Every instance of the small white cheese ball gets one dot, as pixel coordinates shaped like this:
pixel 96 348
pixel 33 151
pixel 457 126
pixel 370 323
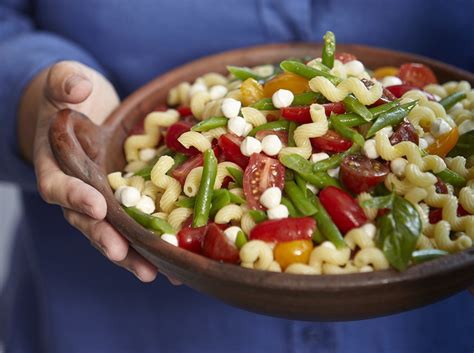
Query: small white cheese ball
pixel 316 157
pixel 118 193
pixel 170 238
pixel 271 145
pixel 465 127
pixel 282 98
pixel 250 146
pixel 231 233
pixel 278 212
pixel 130 196
pixel 387 131
pixel 370 150
pixel 354 67
pixel 312 188
pixel 271 197
pixel 334 172
pixel 230 107
pixel 388 81
pixel 218 91
pixel 429 138
pixel 457 106
pixel 248 128
pixel 146 204
pixel 328 244
pixel 237 125
pixel 439 127
pixel 147 154
pixel 197 87
pixel 370 230
pixel 422 143
pixel 398 166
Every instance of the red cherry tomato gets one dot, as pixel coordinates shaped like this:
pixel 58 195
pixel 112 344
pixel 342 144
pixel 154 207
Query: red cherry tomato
pixel 184 111
pixel 436 214
pixel 345 57
pixel 262 173
pixel 331 142
pixel 191 238
pixel 417 75
pixel 343 209
pixel 405 131
pixel 399 90
pixel 336 108
pixel 441 187
pixel 230 146
pixel 387 96
pixel 359 173
pixel 282 135
pixel 181 172
pixel 172 135
pixel 286 229
pixel 302 115
pixel 216 245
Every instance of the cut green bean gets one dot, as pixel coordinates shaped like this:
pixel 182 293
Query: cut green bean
pixel 326 226
pixel 420 256
pixel 317 236
pixel 299 199
pixel 293 212
pixel 352 104
pixel 240 240
pixel 237 175
pixel 243 73
pixel 264 104
pixel 258 216
pixel 301 184
pixel 210 123
pixel 349 120
pixel 187 202
pixel 150 222
pixel 307 72
pixel 329 49
pixel 273 125
pixel 334 161
pixel 318 65
pixel 391 118
pixel 236 199
pixel 291 134
pixel 347 132
pixel 206 187
pixel 451 177
pixel 220 199
pixel 383 108
pixel 307 98
pixel 449 101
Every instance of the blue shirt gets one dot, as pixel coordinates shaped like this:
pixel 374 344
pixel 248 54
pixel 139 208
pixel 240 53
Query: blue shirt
pixel 63 296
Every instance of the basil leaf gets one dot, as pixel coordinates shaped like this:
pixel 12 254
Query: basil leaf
pixel 398 233
pixel 464 147
pixel 379 202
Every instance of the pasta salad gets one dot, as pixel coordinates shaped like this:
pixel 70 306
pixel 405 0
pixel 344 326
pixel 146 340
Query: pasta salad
pixel 312 166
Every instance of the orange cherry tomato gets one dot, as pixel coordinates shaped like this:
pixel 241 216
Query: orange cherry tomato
pixel 251 91
pixel 286 80
pixel 384 71
pixel 290 252
pixel 444 143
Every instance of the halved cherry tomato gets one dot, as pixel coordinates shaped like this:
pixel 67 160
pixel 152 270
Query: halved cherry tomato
pixel 336 108
pixel 405 131
pixel 191 238
pixel 416 74
pixel 384 71
pixel 301 114
pixel 251 91
pixel 399 90
pixel 181 172
pixel 282 135
pixel 445 143
pixel 262 173
pixel 360 173
pixel 184 111
pixel 172 135
pixel 216 245
pixel 331 142
pixel 345 57
pixel 343 209
pixel 230 146
pixel 286 80
pixel 286 229
pixel 436 214
pixel 290 252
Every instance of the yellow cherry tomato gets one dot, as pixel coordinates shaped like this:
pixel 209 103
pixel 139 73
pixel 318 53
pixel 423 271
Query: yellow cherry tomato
pixel 251 91
pixel 290 252
pixel 286 80
pixel 383 71
pixel 445 143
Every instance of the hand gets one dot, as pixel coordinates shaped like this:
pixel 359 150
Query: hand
pixel 76 86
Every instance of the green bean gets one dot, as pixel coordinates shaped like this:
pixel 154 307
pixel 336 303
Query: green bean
pixel 299 199
pixel 352 104
pixel 187 202
pixel 273 125
pixel 334 161
pixel 319 66
pixel 258 216
pixel 449 101
pixel 347 132
pixel 349 120
pixel 301 184
pixel 150 222
pixel 264 104
pixel 451 177
pixel 420 256
pixel 240 240
pixel 237 175
pixel 306 71
pixel 236 199
pixel 291 134
pixel 326 226
pixel 291 208
pixel 390 118
pixel 220 199
pixel 306 98
pixel 210 123
pixel 289 174
pixel 243 73
pixel 317 236
pixel 204 194
pixel 329 49
pixel 383 108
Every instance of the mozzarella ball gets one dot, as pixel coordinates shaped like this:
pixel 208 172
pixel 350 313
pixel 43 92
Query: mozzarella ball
pixel 282 98
pixel 146 204
pixel 271 197
pixel 231 107
pixel 147 154
pixel 398 166
pixel 278 212
pixel 439 127
pixel 218 91
pixel 354 67
pixel 231 233
pixel 370 150
pixel 250 146
pixel 388 81
pixel 271 145
pixel 422 143
pixel 118 193
pixel 428 138
pixel 334 172
pixel 237 125
pixel 170 238
pixel 130 196
pixel 317 157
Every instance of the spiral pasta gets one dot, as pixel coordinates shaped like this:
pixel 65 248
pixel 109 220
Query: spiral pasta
pixel 228 213
pixel 198 103
pixel 193 180
pixel 194 139
pixel 171 186
pixel 177 217
pixel 116 180
pixel 253 116
pixel 256 254
pixel 371 256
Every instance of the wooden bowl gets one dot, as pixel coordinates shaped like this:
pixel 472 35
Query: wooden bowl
pixel 89 152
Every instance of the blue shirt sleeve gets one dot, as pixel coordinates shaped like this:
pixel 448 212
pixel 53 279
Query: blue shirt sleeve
pixel 24 52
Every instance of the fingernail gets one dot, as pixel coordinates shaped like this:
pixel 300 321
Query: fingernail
pixel 71 82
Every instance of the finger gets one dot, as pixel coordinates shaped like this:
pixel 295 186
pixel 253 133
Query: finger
pixel 101 234
pixel 67 82
pixel 139 266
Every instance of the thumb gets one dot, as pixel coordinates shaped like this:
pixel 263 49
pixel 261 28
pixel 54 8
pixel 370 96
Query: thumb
pixel 67 83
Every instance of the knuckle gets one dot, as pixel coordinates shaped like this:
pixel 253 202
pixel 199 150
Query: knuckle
pixel 44 189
